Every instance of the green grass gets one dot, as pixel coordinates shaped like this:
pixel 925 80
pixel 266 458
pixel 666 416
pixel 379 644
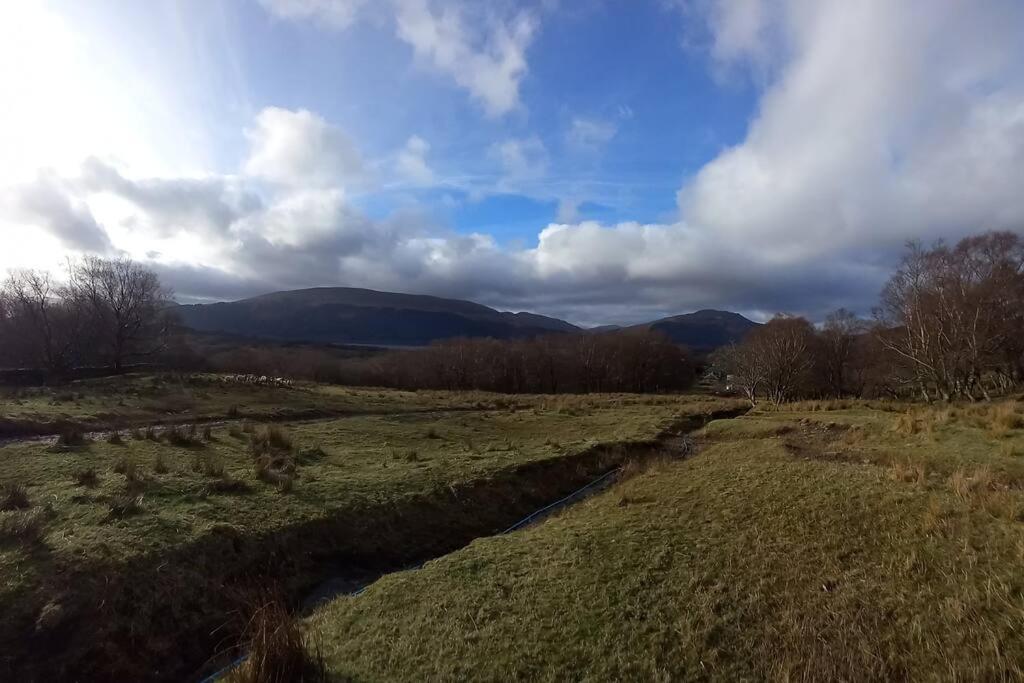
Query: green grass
pixel 362 460
pixel 789 549
pixel 157 507
pixel 146 399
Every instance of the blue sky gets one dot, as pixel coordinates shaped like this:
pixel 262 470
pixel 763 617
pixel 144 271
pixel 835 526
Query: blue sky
pixel 606 161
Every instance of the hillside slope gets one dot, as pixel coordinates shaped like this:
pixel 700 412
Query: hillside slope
pixel 363 316
pixel 704 330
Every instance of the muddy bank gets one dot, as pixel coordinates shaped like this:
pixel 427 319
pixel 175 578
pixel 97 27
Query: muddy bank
pixel 177 615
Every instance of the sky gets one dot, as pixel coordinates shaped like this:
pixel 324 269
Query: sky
pixel 602 161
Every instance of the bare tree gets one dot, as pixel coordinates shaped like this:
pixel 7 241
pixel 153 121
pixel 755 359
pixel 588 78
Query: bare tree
pixel 125 303
pixel 42 328
pixel 775 360
pixel 954 316
pixel 838 346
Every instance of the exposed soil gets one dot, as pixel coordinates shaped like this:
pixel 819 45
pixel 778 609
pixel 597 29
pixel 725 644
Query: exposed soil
pixel 178 615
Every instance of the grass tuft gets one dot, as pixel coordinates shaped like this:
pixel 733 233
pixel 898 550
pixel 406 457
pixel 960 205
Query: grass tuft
pixel 23 527
pixel 87 477
pixel 15 497
pixel 125 504
pixel 278 649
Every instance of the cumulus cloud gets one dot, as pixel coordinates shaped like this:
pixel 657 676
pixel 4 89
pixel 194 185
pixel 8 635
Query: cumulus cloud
pixel 486 57
pixel 411 162
pixel 300 148
pixel 880 128
pixel 205 205
pixel 873 126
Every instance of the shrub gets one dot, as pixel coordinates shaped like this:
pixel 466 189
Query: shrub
pixel 15 497
pixel 151 433
pixel 207 433
pixel 138 434
pixel 115 438
pixel 87 477
pixel 160 465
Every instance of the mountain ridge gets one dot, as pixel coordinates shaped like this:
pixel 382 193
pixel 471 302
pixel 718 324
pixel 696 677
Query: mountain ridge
pixel 353 315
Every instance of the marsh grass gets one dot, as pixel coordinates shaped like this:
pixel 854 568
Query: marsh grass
pixel 14 496
pixel 125 504
pixel 87 477
pixel 23 527
pixel 278 648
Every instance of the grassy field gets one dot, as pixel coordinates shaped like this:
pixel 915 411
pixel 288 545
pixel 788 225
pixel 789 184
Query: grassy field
pixel 122 402
pixel 842 541
pixel 153 522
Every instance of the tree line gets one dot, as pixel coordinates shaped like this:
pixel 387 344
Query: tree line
pixel 109 312
pixel 639 361
pixel 949 325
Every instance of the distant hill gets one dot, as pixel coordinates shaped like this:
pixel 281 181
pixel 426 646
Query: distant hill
pixel 347 315
pixel 704 330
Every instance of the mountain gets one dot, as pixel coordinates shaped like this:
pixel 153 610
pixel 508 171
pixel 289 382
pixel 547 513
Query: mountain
pixel 704 330
pixel 347 315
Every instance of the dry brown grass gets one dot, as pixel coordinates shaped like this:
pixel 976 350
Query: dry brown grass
pixel 909 472
pixel 970 485
pixel 278 648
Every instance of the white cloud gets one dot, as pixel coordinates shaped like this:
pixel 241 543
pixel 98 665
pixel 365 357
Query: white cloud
pixel 590 134
pixel 568 210
pixel 411 162
pixel 301 148
pixel 335 14
pixel 486 57
pixel 521 158
pixel 475 45
pixel 887 121
pixel 50 204
pixel 874 125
